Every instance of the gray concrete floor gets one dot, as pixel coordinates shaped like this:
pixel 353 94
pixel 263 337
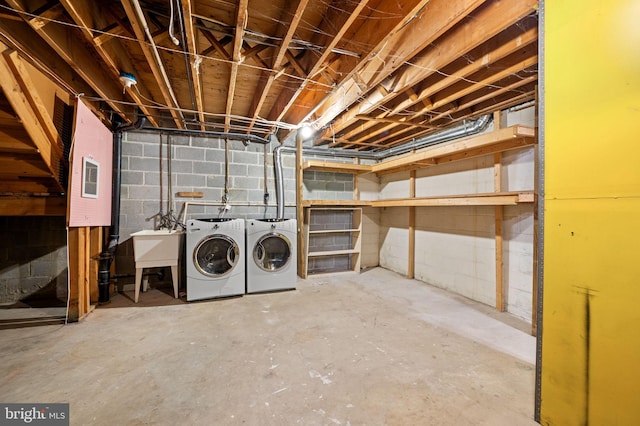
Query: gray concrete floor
pixel 345 349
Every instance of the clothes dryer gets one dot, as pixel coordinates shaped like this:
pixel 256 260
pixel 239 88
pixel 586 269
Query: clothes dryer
pixel 215 253
pixel 271 254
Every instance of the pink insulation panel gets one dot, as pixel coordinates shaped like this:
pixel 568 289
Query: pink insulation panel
pixel 90 177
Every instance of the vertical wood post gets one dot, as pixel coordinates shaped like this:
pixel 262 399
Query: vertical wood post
pixel 412 228
pixel 499 220
pixel 79 271
pixel 302 252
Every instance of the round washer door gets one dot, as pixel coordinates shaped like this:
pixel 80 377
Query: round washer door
pixel 216 255
pixel 272 252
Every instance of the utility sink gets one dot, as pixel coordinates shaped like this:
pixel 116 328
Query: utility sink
pixel 154 249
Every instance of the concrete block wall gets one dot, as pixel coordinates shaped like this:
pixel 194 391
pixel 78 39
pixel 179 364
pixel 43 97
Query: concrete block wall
pixel 455 246
pixel 33 260
pixel 197 164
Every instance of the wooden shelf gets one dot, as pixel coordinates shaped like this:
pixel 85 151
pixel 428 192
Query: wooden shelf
pixel 333 231
pixel 490 199
pixel 345 203
pixel 332 253
pixel 484 144
pixel 346 222
pixel 330 166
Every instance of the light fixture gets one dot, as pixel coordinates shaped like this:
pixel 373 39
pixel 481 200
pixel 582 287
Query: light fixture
pixel 127 80
pixel 305 132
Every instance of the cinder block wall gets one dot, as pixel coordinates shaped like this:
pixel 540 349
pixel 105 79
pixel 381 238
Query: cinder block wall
pixel 455 246
pixel 33 260
pixel 198 165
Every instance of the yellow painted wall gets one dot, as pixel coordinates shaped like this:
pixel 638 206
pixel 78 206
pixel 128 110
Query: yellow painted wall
pixel 591 308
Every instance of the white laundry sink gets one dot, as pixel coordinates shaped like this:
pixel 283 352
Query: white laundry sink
pixel 156 248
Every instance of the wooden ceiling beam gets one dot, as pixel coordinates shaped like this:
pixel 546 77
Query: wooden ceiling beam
pixel 328 37
pixel 145 40
pixel 33 206
pixel 454 98
pixel 195 61
pixel 28 108
pixel 503 49
pixel 241 23
pixel 268 77
pixel 217 45
pixel 419 28
pixel 84 13
pixel 486 23
pixel 63 40
pixel 402 122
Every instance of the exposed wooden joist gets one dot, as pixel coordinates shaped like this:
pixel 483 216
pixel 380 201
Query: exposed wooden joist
pixel 63 40
pixel 33 206
pixel 488 21
pixel 428 21
pixel 195 60
pixel 268 77
pixel 145 40
pixel 17 35
pixel 335 18
pixel 503 48
pixel 241 23
pixel 30 91
pixel 13 86
pixel 397 121
pixel 84 12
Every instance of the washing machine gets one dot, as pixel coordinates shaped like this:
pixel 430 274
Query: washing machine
pixel 271 254
pixel 215 253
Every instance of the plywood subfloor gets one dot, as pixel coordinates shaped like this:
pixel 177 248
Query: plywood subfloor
pixel 371 348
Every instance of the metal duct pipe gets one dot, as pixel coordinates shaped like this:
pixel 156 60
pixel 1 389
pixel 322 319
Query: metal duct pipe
pixel 109 251
pixel 279 180
pixel 222 135
pixel 446 135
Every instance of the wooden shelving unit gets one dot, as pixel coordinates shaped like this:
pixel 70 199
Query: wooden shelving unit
pixel 350 231
pixel 500 140
pixel 491 143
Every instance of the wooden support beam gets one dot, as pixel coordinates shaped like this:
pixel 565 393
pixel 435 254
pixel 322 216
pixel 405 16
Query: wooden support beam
pixel 33 206
pixel 96 239
pixel 147 44
pixel 412 227
pixel 79 272
pixel 500 288
pixel 267 78
pixel 335 26
pixel 14 86
pixel 302 248
pixel 499 220
pixel 192 46
pixel 85 14
pixel 62 39
pixel 488 22
pixel 395 121
pixel 241 23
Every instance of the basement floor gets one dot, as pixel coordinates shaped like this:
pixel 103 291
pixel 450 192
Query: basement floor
pixel 345 349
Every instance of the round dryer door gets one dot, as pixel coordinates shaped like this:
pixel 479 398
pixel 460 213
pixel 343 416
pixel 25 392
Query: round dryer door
pixel 216 255
pixel 272 252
